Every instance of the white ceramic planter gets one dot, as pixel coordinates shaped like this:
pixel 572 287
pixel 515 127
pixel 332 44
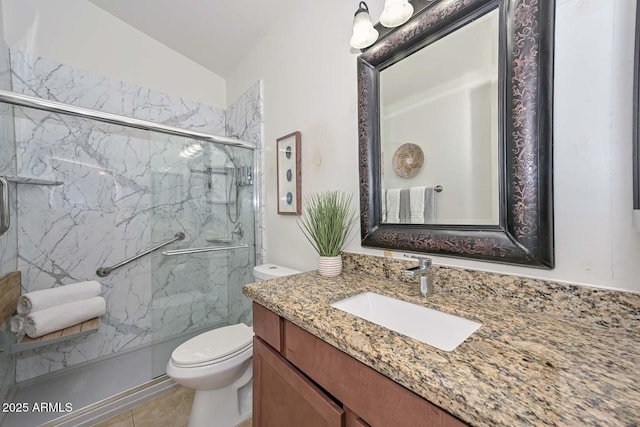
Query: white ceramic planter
pixel 330 266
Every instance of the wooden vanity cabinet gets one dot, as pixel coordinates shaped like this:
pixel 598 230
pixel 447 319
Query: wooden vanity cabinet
pixel 300 380
pixel 283 396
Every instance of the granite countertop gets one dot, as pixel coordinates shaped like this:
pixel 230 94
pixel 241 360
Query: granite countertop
pixel 520 368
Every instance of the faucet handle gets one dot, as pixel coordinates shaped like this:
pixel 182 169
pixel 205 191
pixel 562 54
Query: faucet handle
pixel 424 261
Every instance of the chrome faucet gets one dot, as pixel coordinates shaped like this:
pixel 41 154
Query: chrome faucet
pixel 422 270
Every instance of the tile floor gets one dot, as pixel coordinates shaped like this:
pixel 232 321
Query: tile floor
pixel 169 410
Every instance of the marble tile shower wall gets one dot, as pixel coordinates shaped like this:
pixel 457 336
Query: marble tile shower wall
pixel 123 191
pixel 8 242
pixel 245 120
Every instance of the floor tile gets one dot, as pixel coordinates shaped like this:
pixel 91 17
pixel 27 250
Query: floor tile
pixel 169 410
pixel 122 420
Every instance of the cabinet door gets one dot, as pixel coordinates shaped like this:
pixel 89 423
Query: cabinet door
pixel 283 397
pixel 352 420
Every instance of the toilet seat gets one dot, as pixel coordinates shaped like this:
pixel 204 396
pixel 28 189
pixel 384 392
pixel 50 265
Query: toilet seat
pixel 214 346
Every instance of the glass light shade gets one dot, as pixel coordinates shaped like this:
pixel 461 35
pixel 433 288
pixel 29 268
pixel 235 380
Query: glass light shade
pixel 396 12
pixel 364 35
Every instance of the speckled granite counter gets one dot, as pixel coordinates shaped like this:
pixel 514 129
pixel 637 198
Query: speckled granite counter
pixel 524 366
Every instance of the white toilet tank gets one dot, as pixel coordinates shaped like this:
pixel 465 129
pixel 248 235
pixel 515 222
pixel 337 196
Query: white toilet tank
pixel 271 271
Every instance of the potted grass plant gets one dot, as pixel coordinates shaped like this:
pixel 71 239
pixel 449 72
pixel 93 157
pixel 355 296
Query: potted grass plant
pixel 327 220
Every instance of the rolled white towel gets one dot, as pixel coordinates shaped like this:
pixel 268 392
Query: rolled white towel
pixel 39 300
pixel 53 319
pixel 17 324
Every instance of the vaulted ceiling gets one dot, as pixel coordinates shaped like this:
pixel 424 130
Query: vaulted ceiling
pixel 217 34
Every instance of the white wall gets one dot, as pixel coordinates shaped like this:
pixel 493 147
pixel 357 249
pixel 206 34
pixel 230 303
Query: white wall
pixel 310 85
pixel 78 33
pixel 455 133
pixel 308 71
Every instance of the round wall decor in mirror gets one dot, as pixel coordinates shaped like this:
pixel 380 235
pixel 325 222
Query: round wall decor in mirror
pixel 408 160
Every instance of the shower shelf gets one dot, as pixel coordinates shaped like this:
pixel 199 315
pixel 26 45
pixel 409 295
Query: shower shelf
pixel 32 181
pixel 76 331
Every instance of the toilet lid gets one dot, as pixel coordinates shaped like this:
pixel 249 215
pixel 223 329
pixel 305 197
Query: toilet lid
pixel 213 345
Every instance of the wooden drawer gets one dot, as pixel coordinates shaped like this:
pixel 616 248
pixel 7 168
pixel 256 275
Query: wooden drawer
pixel 268 326
pixel 283 397
pixel 376 398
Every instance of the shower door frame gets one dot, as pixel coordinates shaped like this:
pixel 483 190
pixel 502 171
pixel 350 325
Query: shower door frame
pixel 13 98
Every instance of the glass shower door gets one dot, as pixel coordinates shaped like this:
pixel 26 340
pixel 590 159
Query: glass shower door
pixel 115 192
pixel 205 191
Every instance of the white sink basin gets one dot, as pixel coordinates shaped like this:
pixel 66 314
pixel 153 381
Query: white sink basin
pixel 440 330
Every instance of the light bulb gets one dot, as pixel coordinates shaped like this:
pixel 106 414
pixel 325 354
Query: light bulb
pixel 364 35
pixel 396 12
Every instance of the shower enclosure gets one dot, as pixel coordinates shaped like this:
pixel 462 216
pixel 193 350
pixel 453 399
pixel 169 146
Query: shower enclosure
pixel 88 194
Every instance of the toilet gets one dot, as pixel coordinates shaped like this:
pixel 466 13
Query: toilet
pixel 218 365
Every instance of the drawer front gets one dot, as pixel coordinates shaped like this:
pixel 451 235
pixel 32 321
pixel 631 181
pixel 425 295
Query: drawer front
pixel 379 400
pixel 283 397
pixel 268 326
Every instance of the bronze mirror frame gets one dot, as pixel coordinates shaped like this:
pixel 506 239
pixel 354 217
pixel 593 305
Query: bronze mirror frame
pixel 636 126
pixel 524 235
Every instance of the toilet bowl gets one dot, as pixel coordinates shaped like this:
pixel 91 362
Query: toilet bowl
pixel 218 365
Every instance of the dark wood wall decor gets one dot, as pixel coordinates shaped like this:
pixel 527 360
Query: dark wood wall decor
pixel 524 234
pixel 289 174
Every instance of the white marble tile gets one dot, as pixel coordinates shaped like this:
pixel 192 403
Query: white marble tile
pixel 125 190
pixel 245 120
pixel 8 241
pixel 48 79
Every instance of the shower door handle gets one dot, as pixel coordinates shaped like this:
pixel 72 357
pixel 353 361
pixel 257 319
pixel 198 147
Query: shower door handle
pixel 5 213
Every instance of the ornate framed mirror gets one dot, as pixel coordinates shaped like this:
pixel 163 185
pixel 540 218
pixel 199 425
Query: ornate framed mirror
pixel 636 127
pixel 470 83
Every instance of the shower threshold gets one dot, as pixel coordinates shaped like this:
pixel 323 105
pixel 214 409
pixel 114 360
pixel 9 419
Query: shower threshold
pixel 114 405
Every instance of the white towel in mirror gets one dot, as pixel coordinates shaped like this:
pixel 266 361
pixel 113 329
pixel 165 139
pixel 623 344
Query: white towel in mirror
pixel 413 205
pixel 393 206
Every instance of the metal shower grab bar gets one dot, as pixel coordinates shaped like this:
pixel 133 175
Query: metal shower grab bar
pixel 5 212
pixel 206 249
pixel 105 271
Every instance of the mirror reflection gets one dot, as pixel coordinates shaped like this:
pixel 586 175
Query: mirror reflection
pixel 439 128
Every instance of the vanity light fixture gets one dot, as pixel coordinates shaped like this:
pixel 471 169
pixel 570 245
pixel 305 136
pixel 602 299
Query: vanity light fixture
pixel 364 35
pixel 395 13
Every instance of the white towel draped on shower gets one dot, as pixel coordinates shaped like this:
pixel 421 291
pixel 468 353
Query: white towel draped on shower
pixel 414 205
pixel 43 322
pixel 40 300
